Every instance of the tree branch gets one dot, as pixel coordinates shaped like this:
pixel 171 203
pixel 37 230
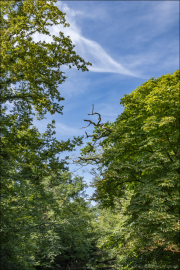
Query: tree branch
pixel 10 97
pixel 97 125
pixel 169 157
pixel 93 159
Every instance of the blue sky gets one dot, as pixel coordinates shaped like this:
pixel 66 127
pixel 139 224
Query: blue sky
pixel 127 42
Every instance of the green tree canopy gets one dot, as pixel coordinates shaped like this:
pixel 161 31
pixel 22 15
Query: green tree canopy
pixel 42 209
pixel 141 155
pixel 45 221
pixel 31 71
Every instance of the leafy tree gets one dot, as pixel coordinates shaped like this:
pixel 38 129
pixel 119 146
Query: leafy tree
pixel 140 155
pixel 35 66
pixel 27 200
pixel 45 221
pixel 30 76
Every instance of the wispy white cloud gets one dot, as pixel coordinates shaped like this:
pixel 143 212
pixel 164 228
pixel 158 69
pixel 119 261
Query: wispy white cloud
pixel 144 48
pixel 160 14
pixel 152 20
pixel 101 61
pixel 89 49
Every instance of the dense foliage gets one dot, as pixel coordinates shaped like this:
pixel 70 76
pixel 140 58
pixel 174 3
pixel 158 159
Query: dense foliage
pixel 45 220
pixel 140 162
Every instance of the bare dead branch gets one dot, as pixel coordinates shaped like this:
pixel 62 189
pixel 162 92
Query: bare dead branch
pixel 91 122
pixel 87 126
pixel 99 118
pixel 105 132
pixel 98 124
